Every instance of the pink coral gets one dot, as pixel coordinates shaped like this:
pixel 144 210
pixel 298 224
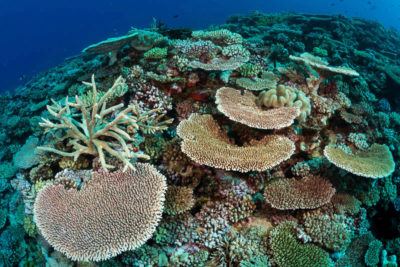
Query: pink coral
pixel 113 213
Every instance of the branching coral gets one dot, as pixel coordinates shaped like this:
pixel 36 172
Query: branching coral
pixel 111 214
pixel 287 251
pixel 102 129
pixel 221 37
pixel 205 143
pixel 332 232
pixel 377 162
pixel 243 109
pixel 178 199
pixel 308 193
pixel 286 96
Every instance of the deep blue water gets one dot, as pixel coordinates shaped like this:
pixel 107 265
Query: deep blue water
pixel 37 35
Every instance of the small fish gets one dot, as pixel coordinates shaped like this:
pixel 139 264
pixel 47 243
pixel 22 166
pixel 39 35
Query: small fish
pixel 333 4
pixel 369 3
pixel 176 16
pixel 22 77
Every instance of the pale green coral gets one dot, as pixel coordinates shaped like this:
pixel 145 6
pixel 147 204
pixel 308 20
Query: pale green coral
pixel 223 36
pixel 288 251
pixel 156 53
pixel 332 232
pixel 249 70
pixel 374 251
pixel 235 50
pixel 29 226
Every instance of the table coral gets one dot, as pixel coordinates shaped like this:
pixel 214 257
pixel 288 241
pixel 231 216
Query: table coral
pixel 243 109
pixel 205 143
pixel 111 214
pixel 377 162
pixel 307 193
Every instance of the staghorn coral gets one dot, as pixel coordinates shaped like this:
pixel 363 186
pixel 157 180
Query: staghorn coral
pixel 111 214
pixel 286 96
pixel 87 136
pixel 178 199
pixel 377 162
pixel 243 109
pixel 205 143
pixel 307 193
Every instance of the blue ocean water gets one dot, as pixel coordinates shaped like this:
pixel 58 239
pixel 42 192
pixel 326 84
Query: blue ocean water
pixel 37 35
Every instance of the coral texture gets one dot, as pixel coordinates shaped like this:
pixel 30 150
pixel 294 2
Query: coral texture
pixel 113 213
pixel 205 143
pixel 243 109
pixel 307 193
pixel 286 96
pixel 178 199
pixel 377 162
pixel 287 251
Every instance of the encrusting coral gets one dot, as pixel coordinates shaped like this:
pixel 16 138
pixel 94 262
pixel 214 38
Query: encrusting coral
pixel 204 142
pixel 286 96
pixel 88 136
pixel 112 213
pixel 243 109
pixel 377 162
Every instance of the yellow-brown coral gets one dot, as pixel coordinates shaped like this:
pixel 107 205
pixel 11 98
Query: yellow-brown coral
pixel 285 96
pixel 178 199
pixel 307 193
pixel 377 162
pixel 205 143
pixel 243 109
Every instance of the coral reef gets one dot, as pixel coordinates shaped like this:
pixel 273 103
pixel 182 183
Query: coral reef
pixel 258 145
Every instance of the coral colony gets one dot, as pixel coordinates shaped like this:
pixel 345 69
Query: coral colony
pixel 270 140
